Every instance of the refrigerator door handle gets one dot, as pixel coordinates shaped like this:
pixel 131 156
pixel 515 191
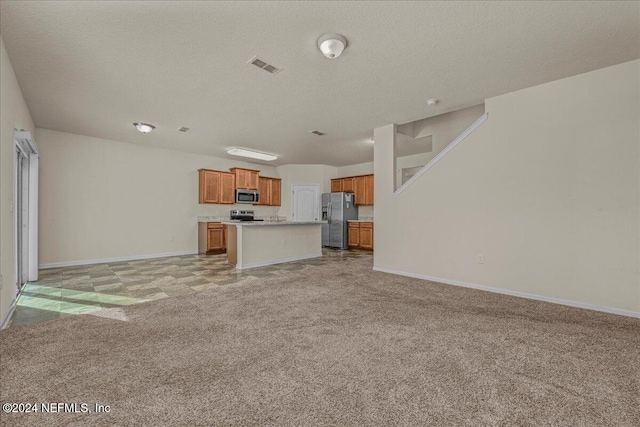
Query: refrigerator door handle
pixel 329 213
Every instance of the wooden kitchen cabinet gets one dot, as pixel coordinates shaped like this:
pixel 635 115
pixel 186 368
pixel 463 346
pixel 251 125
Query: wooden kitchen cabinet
pixel 360 235
pixel 270 191
pixel 246 179
pixel 212 238
pixel 216 187
pixel 348 185
pixel 227 188
pixel 219 187
pixel 368 190
pixel 276 192
pixel 366 235
pixel 361 186
pixel 264 187
pixel 354 235
pixel 209 186
pixel 359 190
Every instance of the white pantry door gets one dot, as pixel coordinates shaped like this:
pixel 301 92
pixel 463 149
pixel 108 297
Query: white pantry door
pixel 305 203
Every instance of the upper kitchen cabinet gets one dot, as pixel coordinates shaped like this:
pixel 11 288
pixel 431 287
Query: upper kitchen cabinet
pixel 276 192
pixel 264 187
pixel 209 186
pixel 361 186
pixel 359 190
pixel 227 188
pixel 270 191
pixel 216 187
pixel 368 190
pixel 348 185
pixel 246 179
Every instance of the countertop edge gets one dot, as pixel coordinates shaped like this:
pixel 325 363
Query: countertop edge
pixel 272 223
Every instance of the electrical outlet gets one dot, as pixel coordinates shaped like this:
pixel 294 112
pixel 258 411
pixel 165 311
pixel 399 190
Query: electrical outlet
pixel 480 258
pixel 171 239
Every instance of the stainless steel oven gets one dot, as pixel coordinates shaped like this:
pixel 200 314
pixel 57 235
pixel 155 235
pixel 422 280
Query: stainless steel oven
pixel 247 196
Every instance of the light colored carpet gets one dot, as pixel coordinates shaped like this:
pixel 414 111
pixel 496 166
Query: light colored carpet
pixel 336 344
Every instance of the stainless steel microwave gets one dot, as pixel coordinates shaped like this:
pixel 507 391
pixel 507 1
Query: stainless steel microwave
pixel 247 196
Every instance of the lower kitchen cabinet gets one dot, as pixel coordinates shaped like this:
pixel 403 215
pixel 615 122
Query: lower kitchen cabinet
pixel 354 235
pixel 212 238
pixel 361 235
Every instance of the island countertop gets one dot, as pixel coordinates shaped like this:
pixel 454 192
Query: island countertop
pixel 271 223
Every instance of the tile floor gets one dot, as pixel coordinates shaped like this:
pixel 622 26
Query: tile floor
pixel 69 291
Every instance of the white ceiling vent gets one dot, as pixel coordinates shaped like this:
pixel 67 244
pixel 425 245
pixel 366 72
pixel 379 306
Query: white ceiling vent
pixel 183 129
pixel 271 69
pixel 317 132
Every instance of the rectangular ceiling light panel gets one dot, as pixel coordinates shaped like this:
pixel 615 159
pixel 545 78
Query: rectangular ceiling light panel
pixel 243 152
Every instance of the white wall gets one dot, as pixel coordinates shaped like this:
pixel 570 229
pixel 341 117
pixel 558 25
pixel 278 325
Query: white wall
pixel 547 189
pixel 412 161
pixel 303 174
pixel 355 170
pixel 102 199
pixel 14 114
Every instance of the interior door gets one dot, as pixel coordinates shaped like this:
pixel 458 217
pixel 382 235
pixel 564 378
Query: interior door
pixel 306 202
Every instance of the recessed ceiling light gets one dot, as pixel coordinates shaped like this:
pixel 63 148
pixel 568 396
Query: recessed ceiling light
pixel 243 152
pixel 183 129
pixel 371 141
pixel 144 127
pixel 317 132
pixel 432 101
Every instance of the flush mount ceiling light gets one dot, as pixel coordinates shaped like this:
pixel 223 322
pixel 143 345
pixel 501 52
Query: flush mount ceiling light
pixel 431 102
pixel 243 152
pixel 332 45
pixel 144 127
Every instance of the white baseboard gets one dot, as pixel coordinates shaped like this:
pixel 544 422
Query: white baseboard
pixel 7 316
pixel 277 261
pixel 120 259
pixel 604 309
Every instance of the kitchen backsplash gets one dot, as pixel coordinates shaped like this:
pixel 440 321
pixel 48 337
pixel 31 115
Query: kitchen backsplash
pixel 223 210
pixel 365 213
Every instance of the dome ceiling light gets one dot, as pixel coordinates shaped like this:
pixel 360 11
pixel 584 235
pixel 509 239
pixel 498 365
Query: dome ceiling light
pixel 332 45
pixel 144 127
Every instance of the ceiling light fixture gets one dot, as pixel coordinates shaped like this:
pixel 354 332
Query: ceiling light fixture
pixel 371 141
pixel 144 127
pixel 332 45
pixel 431 102
pixel 243 152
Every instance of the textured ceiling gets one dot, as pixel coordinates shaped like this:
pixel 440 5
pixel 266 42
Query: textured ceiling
pixel 93 68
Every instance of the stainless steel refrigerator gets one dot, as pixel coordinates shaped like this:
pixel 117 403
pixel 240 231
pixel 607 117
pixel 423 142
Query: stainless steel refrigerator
pixel 337 208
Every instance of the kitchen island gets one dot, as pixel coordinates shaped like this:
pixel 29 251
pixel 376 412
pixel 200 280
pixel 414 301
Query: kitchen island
pixel 256 244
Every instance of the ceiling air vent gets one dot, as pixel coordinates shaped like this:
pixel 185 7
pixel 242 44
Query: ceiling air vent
pixel 183 129
pixel 317 132
pixel 271 69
